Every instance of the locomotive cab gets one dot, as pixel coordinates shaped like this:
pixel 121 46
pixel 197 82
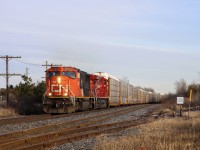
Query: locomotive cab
pixel 60 82
pixel 62 85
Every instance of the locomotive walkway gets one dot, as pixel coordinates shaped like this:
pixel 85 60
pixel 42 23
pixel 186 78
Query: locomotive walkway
pixel 59 133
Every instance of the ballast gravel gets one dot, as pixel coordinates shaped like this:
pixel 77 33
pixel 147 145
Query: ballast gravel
pixel 86 144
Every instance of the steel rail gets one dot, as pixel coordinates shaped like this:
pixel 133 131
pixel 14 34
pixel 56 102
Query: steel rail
pixel 78 134
pixel 46 116
pixel 17 139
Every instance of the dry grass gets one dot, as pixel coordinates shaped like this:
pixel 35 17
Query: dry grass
pixel 167 134
pixel 6 112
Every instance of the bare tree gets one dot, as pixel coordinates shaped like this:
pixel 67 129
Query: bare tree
pixel 181 87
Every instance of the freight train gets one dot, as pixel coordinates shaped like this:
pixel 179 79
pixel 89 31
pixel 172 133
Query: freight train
pixel 69 89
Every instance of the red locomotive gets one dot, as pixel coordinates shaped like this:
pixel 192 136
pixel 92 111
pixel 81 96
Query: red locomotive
pixel 69 89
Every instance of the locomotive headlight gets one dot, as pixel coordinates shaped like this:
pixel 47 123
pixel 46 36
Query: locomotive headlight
pixel 59 80
pixel 65 94
pixel 50 94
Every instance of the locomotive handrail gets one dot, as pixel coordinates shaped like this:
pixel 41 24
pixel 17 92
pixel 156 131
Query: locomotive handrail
pixel 70 89
pixel 72 98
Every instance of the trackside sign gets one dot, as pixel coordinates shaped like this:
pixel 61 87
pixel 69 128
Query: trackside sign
pixel 180 100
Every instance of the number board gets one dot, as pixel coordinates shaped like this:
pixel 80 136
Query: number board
pixel 66 68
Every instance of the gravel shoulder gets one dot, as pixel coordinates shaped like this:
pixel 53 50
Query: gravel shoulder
pixel 88 144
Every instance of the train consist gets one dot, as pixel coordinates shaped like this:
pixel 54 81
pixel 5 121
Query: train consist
pixel 69 89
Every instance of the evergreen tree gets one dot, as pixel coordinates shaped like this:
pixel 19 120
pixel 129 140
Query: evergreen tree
pixel 26 88
pixel 40 88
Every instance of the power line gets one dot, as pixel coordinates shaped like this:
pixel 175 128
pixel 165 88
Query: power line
pixel 27 63
pixel 7 75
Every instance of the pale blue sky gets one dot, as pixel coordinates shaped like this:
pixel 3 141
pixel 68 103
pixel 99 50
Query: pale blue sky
pixel 151 42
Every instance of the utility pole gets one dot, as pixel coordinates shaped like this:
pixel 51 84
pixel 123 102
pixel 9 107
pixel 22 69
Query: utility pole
pixel 27 71
pixel 50 65
pixel 7 75
pixel 46 65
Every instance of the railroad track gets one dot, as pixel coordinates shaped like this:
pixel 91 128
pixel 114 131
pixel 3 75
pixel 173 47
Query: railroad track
pixel 60 132
pixel 37 118
pixel 82 133
pixel 44 117
pixel 24 119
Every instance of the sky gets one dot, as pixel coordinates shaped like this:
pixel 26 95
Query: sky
pixel 152 43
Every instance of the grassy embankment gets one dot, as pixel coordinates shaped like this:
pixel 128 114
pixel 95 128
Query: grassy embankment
pixel 6 112
pixel 168 134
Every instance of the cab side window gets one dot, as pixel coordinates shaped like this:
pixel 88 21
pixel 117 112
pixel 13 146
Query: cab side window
pixel 70 74
pixel 53 73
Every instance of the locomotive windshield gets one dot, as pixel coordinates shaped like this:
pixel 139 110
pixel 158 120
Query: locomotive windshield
pixel 71 74
pixel 53 73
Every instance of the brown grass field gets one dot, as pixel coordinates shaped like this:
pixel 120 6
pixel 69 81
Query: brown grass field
pixel 6 112
pixel 163 134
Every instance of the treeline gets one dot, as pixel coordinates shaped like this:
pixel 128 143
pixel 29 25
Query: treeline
pixel 27 88
pixel 183 89
pixel 26 97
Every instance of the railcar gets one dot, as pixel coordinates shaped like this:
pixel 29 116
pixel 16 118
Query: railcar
pixel 130 94
pixel 69 89
pixel 123 92
pixel 114 95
